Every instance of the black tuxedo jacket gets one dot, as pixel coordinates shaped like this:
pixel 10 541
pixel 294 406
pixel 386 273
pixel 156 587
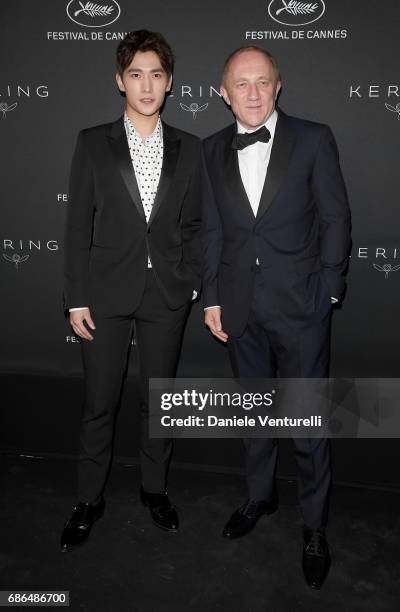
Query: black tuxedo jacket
pixel 107 238
pixel 301 234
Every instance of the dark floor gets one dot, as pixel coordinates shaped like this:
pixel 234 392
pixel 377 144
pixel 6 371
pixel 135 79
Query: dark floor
pixel 130 565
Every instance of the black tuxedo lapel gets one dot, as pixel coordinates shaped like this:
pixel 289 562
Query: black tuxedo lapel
pixel 119 144
pixel 282 147
pixel 233 180
pixel 171 145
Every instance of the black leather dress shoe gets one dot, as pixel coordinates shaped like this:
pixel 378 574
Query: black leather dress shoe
pixel 316 557
pixel 245 518
pixel 77 529
pixel 164 515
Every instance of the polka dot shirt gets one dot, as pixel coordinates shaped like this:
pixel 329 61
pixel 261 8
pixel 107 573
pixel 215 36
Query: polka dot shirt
pixel 147 158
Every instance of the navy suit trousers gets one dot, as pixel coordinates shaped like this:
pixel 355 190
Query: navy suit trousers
pixel 296 348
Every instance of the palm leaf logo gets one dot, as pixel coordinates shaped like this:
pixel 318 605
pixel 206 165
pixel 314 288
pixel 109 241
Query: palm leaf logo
pixel 94 10
pixel 298 8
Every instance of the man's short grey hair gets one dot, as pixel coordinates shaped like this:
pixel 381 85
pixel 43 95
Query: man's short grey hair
pixel 244 49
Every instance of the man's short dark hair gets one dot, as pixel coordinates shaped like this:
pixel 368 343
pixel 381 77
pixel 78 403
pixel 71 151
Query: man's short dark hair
pixel 240 50
pixel 144 40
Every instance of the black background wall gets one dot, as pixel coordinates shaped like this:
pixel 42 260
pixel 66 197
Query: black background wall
pixel 57 77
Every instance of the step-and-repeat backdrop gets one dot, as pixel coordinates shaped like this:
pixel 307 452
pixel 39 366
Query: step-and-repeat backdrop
pixel 339 64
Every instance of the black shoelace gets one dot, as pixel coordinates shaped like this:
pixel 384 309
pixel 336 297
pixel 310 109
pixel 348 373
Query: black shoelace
pixel 315 545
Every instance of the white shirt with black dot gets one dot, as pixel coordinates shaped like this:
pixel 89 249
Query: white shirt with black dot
pixel 147 158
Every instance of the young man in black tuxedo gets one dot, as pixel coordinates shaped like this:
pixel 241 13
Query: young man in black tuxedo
pixel 276 237
pixel 131 258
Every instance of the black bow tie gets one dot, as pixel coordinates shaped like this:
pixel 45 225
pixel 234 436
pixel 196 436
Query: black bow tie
pixel 241 141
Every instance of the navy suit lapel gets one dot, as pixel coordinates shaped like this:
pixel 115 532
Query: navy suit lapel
pixel 233 180
pixel 281 151
pixel 171 144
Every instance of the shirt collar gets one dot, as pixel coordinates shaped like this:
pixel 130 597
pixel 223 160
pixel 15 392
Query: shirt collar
pixel 131 131
pixel 270 124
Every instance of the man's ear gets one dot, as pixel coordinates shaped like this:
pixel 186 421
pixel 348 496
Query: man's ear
pixel 224 94
pixel 278 88
pixel 169 84
pixel 120 83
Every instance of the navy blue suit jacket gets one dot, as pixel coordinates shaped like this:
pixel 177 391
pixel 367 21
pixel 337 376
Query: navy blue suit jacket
pixel 301 234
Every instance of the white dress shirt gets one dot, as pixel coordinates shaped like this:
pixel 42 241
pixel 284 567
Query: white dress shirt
pixel 147 157
pixel 254 160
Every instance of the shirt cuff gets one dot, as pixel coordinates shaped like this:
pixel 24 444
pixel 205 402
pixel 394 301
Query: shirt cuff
pixel 208 307
pixel 80 308
pixel 334 300
pixel 195 294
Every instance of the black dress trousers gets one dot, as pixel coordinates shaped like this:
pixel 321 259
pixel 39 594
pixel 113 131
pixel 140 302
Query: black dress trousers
pixel 159 332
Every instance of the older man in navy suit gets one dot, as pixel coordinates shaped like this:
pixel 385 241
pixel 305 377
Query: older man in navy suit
pixel 276 238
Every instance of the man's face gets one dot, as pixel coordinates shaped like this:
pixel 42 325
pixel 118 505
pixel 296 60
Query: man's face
pixel 251 88
pixel 145 83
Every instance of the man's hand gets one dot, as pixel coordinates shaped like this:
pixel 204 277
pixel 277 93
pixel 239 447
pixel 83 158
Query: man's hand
pixel 76 318
pixel 212 318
